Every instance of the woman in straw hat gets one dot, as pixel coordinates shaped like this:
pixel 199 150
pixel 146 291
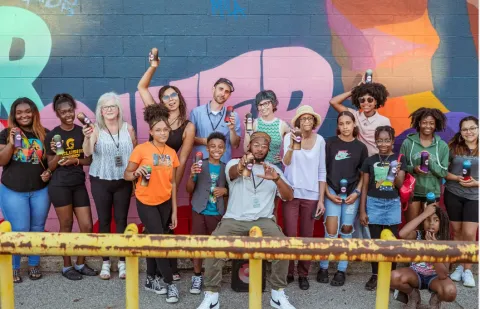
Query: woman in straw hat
pixel 305 169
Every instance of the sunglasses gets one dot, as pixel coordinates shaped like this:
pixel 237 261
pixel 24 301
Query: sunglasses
pixel 168 97
pixel 369 100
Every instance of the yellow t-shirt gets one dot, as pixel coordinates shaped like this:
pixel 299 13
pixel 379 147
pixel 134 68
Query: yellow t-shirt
pixel 162 161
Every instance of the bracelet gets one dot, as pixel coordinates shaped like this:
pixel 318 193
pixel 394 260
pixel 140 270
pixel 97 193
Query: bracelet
pixel 239 171
pixel 78 162
pixel 357 191
pixel 276 179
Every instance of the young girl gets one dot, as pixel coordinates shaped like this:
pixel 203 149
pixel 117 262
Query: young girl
pixel 461 195
pixel 344 157
pixel 426 121
pixel 421 276
pixel 67 189
pixel 182 134
pixel 380 203
pixel 266 102
pixel 155 164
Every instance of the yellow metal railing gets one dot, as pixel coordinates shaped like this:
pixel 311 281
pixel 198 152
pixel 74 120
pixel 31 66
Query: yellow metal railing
pixel 256 248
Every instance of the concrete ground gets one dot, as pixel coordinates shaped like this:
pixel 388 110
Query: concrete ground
pixel 53 291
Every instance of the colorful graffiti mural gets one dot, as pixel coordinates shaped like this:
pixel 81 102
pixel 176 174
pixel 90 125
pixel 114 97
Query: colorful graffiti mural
pixel 425 52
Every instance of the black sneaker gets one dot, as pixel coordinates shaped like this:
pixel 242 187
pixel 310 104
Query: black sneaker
pixel 154 284
pixel 371 285
pixel 322 276
pixel 88 271
pixel 303 283
pixel 338 279
pixel 172 293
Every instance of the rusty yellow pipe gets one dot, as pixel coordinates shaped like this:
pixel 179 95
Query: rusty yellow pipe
pixel 255 276
pixel 7 298
pixel 235 247
pixel 131 291
pixel 384 272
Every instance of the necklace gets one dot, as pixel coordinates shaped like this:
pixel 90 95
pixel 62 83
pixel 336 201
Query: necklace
pixel 163 150
pixel 382 162
pixel 173 121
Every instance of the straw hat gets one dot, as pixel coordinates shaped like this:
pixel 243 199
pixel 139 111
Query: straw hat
pixel 306 109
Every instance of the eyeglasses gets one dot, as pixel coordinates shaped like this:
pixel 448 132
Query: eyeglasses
pixel 174 95
pixel 471 129
pixel 264 105
pixel 383 141
pixel 369 100
pixel 263 147
pixel 305 119
pixel 109 107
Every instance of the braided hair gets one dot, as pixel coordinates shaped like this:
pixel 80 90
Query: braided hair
pixel 388 129
pixel 155 113
pixel 422 113
pixel 63 98
pixel 376 90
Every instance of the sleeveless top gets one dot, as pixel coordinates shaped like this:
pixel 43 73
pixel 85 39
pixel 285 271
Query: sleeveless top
pixel 273 129
pixel 103 164
pixel 175 139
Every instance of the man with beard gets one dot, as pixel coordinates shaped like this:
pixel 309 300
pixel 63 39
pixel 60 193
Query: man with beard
pixel 251 203
pixel 210 118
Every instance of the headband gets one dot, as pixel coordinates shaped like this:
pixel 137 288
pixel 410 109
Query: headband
pixel 260 135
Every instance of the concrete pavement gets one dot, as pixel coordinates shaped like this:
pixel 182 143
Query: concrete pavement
pixel 54 291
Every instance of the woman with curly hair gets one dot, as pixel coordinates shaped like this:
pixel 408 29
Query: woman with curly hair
pixel 367 98
pixel 426 121
pixel 154 165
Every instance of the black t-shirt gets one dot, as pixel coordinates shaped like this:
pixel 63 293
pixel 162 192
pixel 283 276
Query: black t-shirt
pixel 344 160
pixel 72 144
pixel 22 172
pixel 378 185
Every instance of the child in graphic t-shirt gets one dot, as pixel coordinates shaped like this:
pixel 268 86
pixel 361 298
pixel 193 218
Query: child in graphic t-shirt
pixel 380 203
pixel 207 184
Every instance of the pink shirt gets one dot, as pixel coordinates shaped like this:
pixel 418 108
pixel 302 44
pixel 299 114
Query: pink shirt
pixel 367 126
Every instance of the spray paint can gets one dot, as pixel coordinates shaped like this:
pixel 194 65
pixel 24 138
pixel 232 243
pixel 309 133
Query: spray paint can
pixel 424 155
pixel 58 144
pixel 343 189
pixel 249 123
pixel 368 76
pixel 18 138
pixel 146 178
pixel 467 169
pixel 228 113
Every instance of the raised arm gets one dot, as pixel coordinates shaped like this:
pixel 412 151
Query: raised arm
pixel 336 102
pixel 246 138
pixel 91 136
pixel 287 149
pixel 185 152
pixel 144 83
pixel 408 230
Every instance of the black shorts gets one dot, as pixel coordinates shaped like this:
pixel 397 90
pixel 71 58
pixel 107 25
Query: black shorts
pixel 460 209
pixel 423 199
pixel 77 196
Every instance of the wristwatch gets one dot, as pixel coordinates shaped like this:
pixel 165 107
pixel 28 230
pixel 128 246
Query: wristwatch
pixel 357 191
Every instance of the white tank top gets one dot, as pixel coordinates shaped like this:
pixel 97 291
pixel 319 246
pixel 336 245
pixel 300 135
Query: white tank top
pixel 103 159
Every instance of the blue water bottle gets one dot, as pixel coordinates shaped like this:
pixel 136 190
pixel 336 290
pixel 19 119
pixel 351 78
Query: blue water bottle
pixel 343 189
pixel 467 169
pixel 430 198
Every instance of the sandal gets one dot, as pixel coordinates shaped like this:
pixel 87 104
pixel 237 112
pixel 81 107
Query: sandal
pixel 105 273
pixel 34 273
pixel 122 270
pixel 338 279
pixel 72 274
pixel 16 276
pixel 87 271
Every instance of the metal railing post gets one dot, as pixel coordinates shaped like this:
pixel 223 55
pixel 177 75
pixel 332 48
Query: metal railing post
pixel 7 297
pixel 131 291
pixel 384 273
pixel 255 276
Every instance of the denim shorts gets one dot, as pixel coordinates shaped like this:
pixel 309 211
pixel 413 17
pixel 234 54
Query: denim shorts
pixel 425 280
pixel 383 211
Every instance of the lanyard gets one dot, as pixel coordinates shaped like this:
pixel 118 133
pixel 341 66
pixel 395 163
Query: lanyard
pixel 214 128
pixel 118 142
pixel 255 186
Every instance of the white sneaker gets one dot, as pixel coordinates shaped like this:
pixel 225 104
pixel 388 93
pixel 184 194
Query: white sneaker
pixel 468 279
pixel 279 300
pixel 457 274
pixel 196 287
pixel 122 270
pixel 172 293
pixel 105 273
pixel 210 301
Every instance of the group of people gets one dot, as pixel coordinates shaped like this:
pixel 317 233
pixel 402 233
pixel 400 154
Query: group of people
pixel 352 179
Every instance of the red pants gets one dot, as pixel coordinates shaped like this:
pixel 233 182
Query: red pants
pixel 291 212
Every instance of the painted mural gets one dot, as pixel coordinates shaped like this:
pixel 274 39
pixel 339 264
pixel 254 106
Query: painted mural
pixel 425 52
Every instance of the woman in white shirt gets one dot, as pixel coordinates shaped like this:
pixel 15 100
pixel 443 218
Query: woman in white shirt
pixel 305 169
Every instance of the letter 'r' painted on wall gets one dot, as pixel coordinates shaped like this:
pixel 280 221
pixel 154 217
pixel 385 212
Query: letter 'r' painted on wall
pixel 17 74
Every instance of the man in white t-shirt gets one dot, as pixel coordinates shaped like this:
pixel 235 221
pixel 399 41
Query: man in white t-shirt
pixel 251 203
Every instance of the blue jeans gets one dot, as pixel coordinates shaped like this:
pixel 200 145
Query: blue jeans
pixel 345 215
pixel 26 212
